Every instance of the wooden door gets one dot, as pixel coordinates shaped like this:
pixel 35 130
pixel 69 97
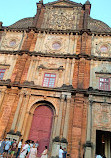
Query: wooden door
pixel 41 127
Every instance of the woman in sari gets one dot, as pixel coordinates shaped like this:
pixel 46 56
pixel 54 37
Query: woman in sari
pixel 44 154
pixel 33 152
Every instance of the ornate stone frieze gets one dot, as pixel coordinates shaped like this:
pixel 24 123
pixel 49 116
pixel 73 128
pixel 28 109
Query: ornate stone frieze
pixel 61 18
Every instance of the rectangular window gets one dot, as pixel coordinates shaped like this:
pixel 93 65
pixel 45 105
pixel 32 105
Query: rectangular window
pixel 2 71
pixel 104 84
pixel 49 80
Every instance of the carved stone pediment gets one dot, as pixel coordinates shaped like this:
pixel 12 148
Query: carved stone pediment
pixel 61 17
pixel 63 3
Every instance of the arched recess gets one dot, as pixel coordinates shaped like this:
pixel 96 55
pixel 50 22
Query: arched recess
pixel 40 124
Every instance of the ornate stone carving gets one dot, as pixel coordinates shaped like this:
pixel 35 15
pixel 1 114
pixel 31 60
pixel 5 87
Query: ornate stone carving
pixel 11 41
pixel 61 18
pixel 103 53
pixel 102 115
pixel 101 46
pixel 52 39
pixel 7 42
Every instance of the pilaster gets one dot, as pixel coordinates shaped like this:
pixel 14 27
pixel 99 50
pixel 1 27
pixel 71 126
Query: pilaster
pixel 66 122
pixel 60 117
pixel 24 107
pixel 88 145
pixel 17 112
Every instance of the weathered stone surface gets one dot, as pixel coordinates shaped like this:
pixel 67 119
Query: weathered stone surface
pixel 59 43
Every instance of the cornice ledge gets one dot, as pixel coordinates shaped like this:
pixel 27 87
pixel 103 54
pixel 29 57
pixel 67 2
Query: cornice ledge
pixel 96 58
pixel 101 72
pixel 101 33
pixel 66 87
pixel 76 56
pixel 98 92
pixel 5 82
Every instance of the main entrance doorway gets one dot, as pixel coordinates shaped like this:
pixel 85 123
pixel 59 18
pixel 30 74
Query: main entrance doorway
pixel 41 127
pixel 103 143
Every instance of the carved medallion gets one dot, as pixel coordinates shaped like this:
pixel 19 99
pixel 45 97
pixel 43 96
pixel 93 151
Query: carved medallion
pixel 103 49
pixel 54 44
pixel 11 42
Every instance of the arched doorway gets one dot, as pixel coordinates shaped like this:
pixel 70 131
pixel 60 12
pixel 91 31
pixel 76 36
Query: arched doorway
pixel 41 127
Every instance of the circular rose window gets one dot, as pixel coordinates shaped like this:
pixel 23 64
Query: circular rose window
pixel 56 45
pixel 104 49
pixel 12 43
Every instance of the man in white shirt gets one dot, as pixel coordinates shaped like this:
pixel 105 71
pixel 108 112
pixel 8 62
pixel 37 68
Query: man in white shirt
pixel 61 152
pixel 24 150
pixel 19 147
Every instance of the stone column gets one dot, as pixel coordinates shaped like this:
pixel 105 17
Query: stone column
pixel 30 69
pixel 17 113
pixel 66 119
pixel 25 119
pixel 55 126
pixel 59 117
pixel 20 123
pixel 88 149
pixel 66 79
pixel 28 123
pixel 72 71
pixel 63 116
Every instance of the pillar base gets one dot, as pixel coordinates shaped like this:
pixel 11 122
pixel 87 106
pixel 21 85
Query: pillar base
pixel 88 149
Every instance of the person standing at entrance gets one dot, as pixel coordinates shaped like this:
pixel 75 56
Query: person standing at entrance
pixel 44 154
pixel 24 150
pixel 64 153
pixel 61 152
pixel 19 147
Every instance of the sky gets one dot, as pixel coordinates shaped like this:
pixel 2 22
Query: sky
pixel 14 10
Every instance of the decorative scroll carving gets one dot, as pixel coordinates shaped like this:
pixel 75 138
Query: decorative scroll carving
pixel 43 67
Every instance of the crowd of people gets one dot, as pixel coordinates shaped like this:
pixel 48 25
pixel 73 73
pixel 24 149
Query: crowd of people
pixel 12 149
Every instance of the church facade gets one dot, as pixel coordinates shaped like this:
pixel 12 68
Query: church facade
pixel 55 80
